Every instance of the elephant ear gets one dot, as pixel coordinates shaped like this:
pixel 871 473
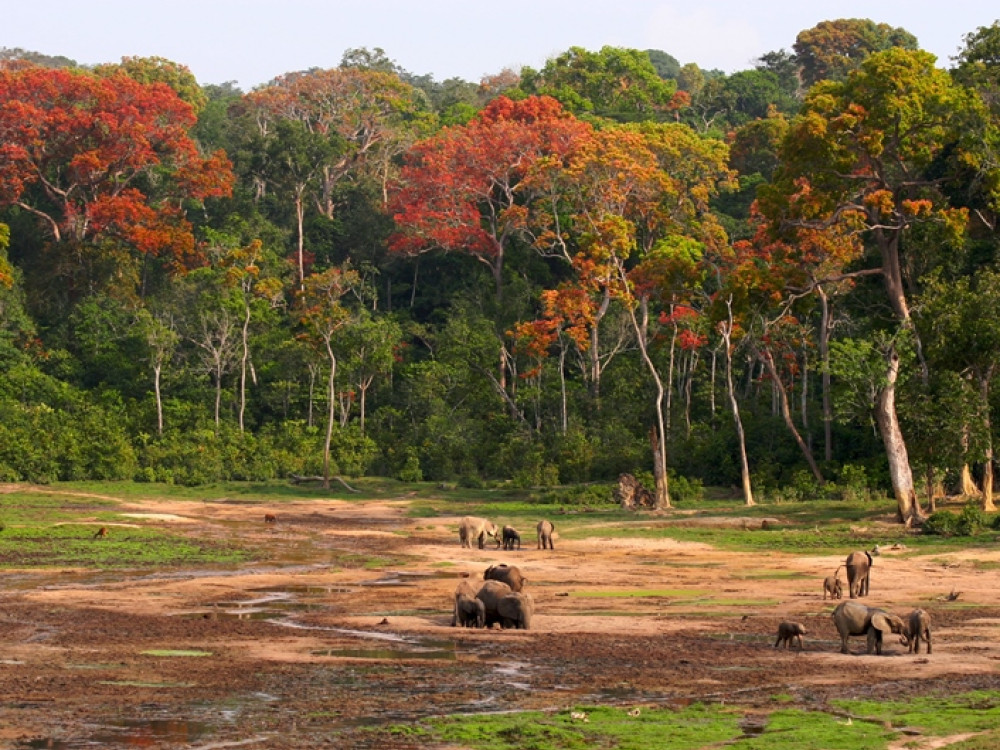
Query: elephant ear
pixel 883 622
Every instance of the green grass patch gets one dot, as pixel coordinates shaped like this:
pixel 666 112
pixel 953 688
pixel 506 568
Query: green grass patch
pixel 689 728
pixel 791 729
pixel 73 545
pixel 940 716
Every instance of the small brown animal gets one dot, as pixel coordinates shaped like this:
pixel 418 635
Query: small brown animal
pixel 788 632
pixel 101 533
pixel 270 518
pixel 832 585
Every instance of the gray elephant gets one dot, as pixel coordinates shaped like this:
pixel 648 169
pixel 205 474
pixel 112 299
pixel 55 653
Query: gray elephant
pixel 545 529
pixel 509 574
pixel 859 566
pixel 470 528
pixel 789 632
pixel 833 586
pixel 918 625
pixel 854 618
pixel 471 611
pixel 466 589
pixel 490 595
pixel 516 610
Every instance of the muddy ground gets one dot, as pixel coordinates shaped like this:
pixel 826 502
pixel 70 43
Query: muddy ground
pixel 296 653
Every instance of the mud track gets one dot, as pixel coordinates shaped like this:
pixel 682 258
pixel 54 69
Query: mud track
pixel 317 645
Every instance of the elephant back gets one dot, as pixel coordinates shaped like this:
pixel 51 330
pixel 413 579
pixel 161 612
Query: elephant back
pixel 490 595
pixel 509 574
pixel 516 610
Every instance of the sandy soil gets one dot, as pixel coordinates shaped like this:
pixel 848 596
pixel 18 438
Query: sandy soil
pixel 296 652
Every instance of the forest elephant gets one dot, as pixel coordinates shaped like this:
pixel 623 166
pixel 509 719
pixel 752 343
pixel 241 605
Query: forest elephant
pixel 859 567
pixel 833 586
pixel 470 528
pixel 490 595
pixel 545 529
pixel 918 625
pixel 788 632
pixel 516 610
pixel 509 574
pixel 471 612
pixel 509 537
pixel 466 590
pixel 854 619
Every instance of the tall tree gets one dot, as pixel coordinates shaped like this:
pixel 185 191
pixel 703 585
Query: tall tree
pixel 870 154
pixel 106 164
pixel 832 49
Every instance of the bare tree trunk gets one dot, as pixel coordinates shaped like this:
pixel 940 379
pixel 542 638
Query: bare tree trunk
pixel 157 368
pixel 726 329
pixel 300 223
pixel 825 328
pixel 786 413
pixel 908 510
pixel 329 417
pixel 243 364
pixel 984 392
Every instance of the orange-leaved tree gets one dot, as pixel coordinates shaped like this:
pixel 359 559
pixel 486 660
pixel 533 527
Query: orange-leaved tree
pixel 105 163
pixel 872 155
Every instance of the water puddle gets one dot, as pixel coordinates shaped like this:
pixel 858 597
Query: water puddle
pixel 389 654
pixel 129 733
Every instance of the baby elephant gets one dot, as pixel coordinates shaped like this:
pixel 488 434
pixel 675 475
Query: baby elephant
pixel 471 612
pixel 918 625
pixel 833 586
pixel 509 537
pixel 545 529
pixel 788 632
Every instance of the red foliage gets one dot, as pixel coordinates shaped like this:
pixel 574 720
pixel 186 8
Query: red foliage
pixel 77 149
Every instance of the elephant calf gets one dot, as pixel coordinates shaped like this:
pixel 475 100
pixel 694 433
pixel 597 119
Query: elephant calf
pixel 545 529
pixel 788 632
pixel 471 611
pixel 508 574
pixel 854 618
pixel 918 625
pixel 463 590
pixel 508 538
pixel 833 586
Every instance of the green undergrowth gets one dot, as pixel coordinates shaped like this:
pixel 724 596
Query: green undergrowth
pixel 872 726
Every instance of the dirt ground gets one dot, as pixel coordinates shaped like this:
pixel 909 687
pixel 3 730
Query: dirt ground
pixel 296 653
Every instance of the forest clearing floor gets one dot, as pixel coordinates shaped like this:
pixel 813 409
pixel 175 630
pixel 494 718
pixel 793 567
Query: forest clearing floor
pixel 345 629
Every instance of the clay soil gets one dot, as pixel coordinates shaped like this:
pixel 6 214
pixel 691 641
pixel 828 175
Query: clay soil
pixel 295 652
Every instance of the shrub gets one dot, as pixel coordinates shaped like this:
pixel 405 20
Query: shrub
pixel 969 522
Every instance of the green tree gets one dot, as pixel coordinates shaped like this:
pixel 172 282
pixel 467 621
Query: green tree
pixel 871 154
pixel 832 49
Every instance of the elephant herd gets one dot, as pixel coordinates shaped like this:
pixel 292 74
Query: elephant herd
pixel 853 618
pixel 476 529
pixel 498 601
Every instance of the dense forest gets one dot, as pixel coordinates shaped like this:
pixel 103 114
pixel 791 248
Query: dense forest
pixel 783 281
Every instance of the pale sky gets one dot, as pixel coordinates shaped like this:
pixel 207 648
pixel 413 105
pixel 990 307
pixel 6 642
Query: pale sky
pixel 252 41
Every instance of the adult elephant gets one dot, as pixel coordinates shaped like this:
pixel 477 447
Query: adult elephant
pixel 854 619
pixel 470 528
pixel 509 574
pixel 516 610
pixel 490 595
pixel 859 569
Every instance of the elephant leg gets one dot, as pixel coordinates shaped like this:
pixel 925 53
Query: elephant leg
pixel 843 645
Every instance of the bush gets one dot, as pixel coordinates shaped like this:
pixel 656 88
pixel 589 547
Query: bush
pixel 942 523
pixel 969 522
